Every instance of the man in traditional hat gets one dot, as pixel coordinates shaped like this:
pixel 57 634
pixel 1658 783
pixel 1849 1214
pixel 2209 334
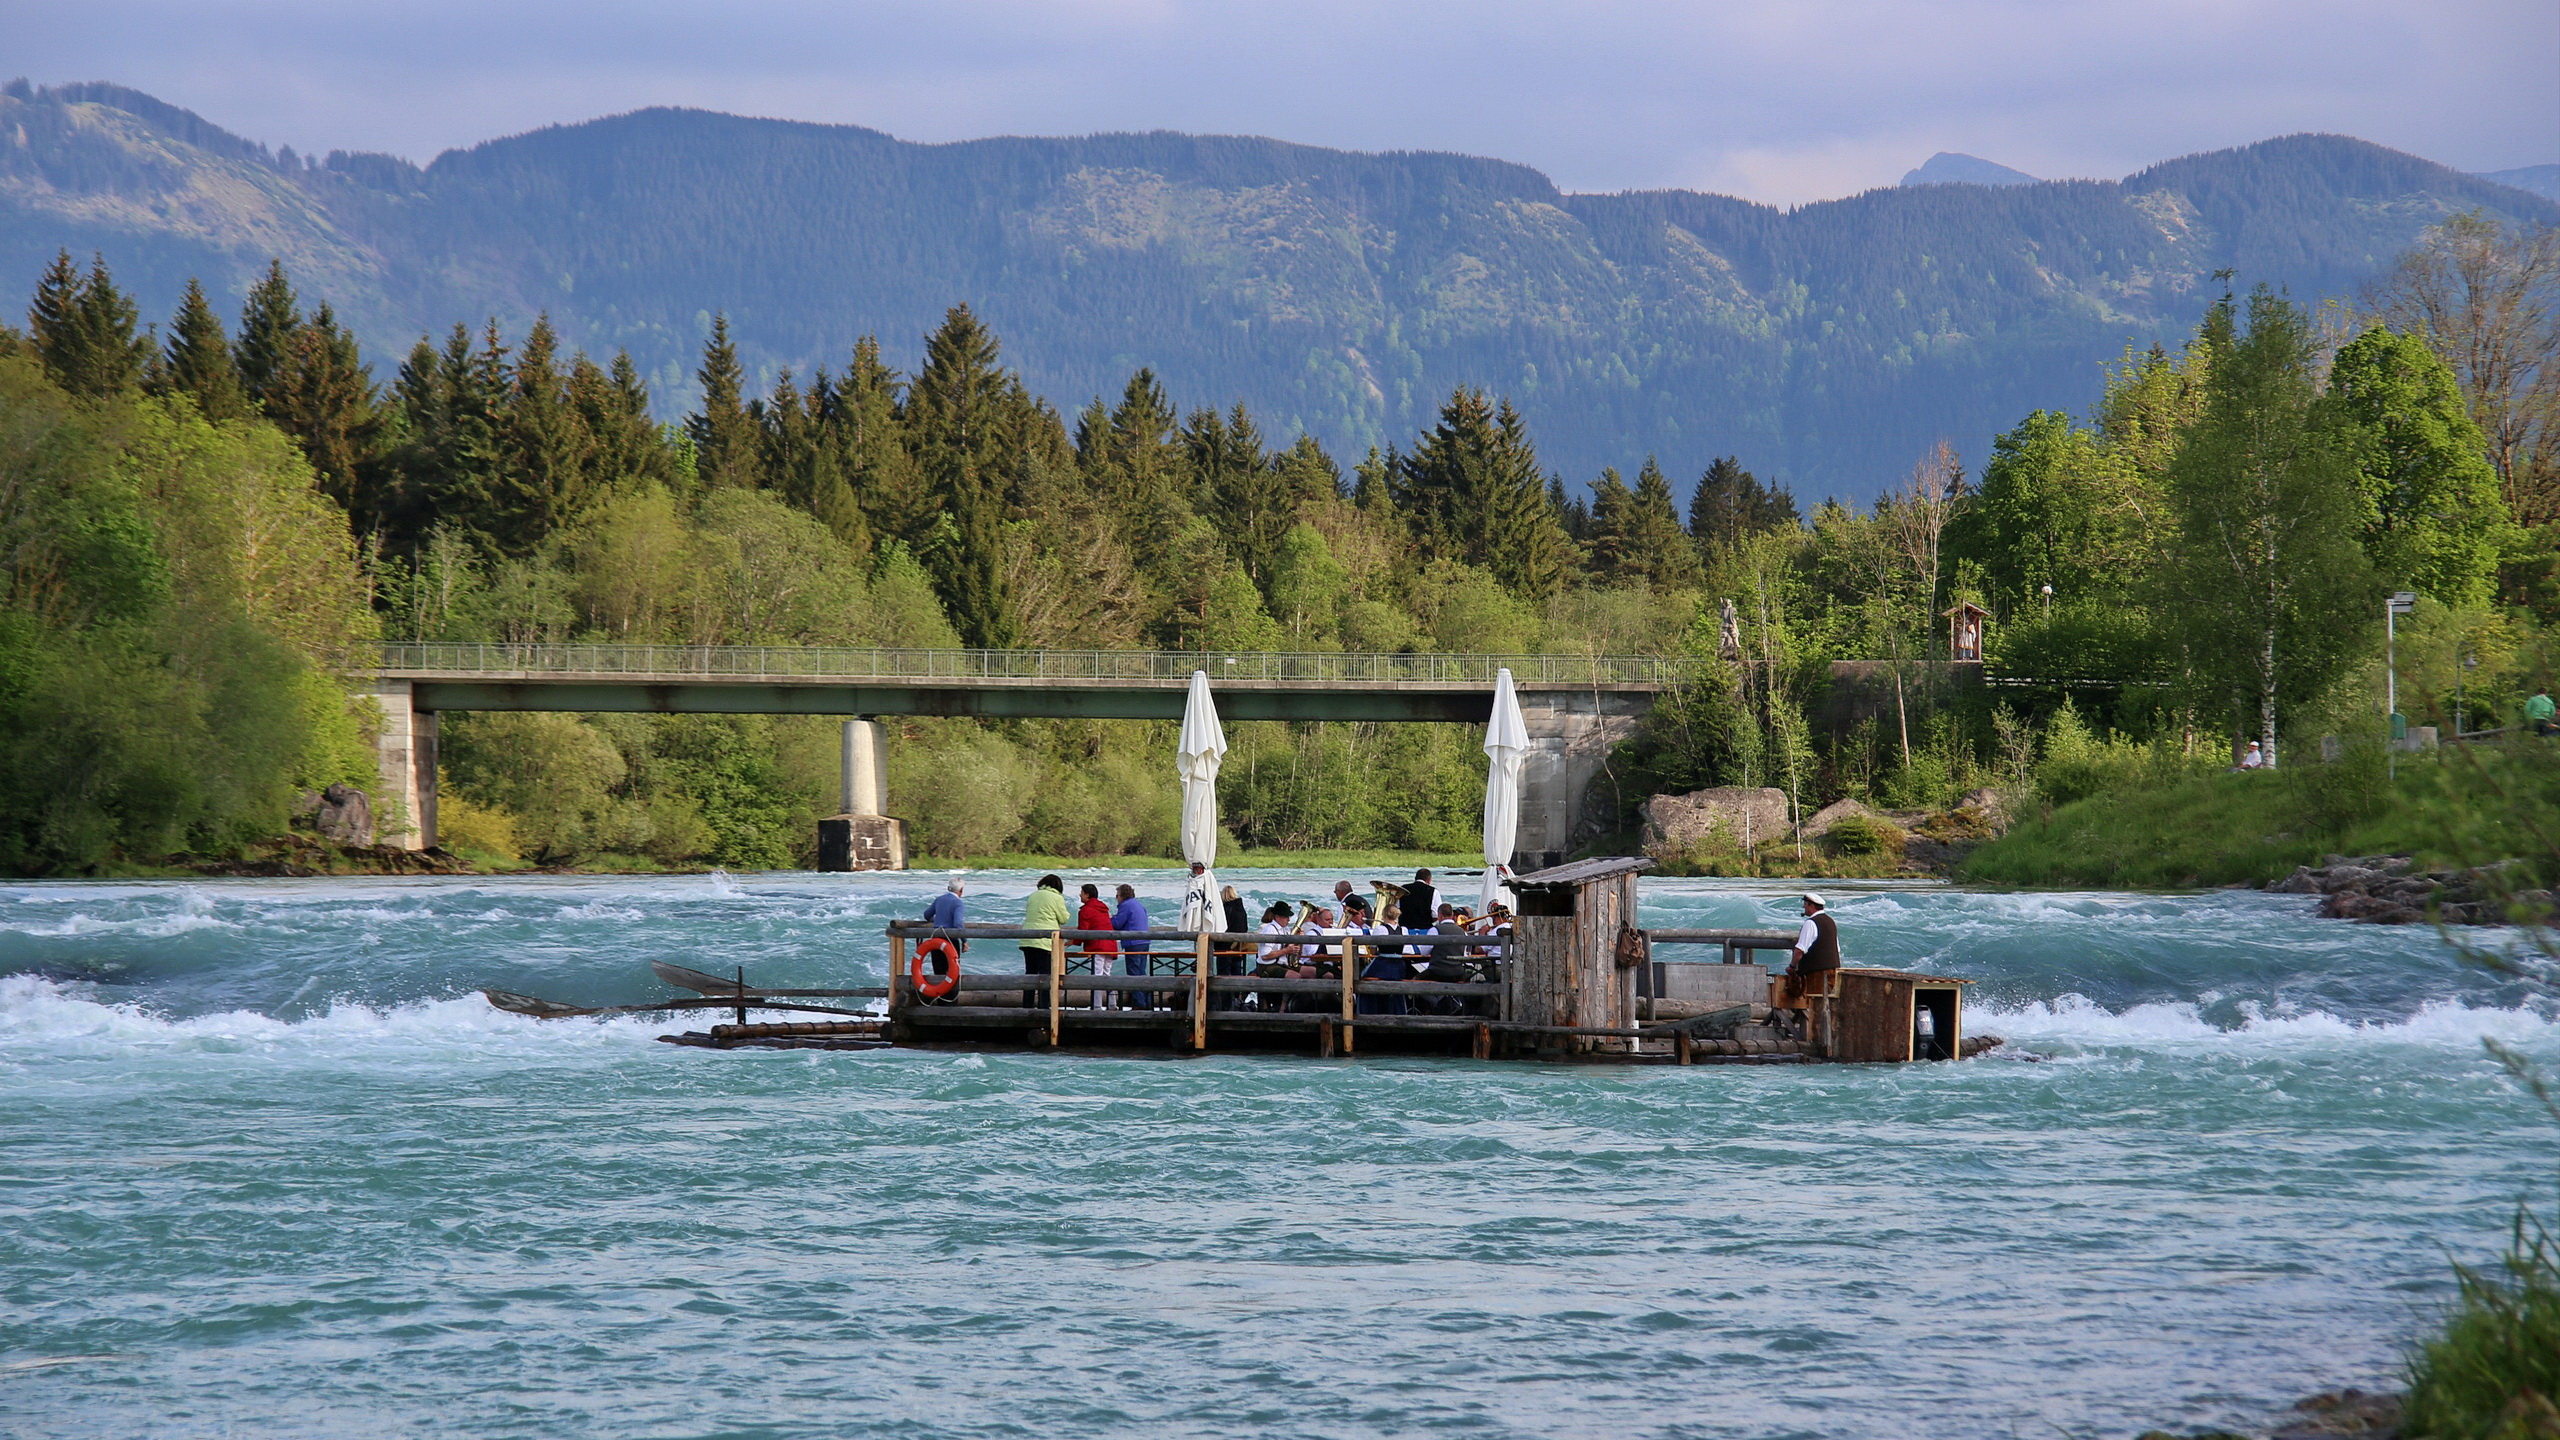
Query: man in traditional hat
pixel 1813 970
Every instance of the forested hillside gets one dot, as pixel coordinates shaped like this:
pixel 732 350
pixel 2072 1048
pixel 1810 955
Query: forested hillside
pixel 203 527
pixel 1338 295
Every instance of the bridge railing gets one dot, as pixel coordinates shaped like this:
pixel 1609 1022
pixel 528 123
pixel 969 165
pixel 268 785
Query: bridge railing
pixel 813 662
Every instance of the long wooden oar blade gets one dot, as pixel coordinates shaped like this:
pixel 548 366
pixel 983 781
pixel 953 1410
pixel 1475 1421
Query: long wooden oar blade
pixel 541 1009
pixel 535 1006
pixel 685 979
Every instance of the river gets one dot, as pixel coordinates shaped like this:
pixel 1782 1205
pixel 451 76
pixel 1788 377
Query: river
pixel 272 1162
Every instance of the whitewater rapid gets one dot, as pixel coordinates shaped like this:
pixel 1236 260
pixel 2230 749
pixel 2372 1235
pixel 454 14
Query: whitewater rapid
pixel 269 1150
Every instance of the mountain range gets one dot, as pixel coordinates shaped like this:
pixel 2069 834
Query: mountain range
pixel 1341 294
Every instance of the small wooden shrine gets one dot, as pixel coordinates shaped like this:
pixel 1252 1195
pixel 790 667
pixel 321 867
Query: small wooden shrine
pixel 1964 632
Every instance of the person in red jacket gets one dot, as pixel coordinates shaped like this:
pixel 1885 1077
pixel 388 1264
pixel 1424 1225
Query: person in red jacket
pixel 1095 915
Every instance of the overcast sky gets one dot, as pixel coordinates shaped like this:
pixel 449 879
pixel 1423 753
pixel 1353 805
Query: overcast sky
pixel 1779 100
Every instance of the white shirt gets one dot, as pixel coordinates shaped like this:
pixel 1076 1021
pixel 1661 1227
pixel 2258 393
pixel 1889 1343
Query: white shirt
pixel 1806 936
pixel 1271 952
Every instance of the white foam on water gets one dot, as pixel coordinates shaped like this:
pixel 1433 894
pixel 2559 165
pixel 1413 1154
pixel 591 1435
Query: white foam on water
pixel 2077 1021
pixel 42 1019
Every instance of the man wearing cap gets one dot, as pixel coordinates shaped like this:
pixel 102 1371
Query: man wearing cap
pixel 1813 971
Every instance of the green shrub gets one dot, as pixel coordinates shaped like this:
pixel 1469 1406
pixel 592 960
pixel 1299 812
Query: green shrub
pixel 2494 1372
pixel 1865 835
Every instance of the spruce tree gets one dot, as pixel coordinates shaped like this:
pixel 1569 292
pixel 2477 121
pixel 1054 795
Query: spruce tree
pixel 626 449
pixel 84 331
pixel 1731 505
pixel 53 318
pixel 1244 494
pixel 1667 560
pixel 864 421
pixel 544 450
pixel 726 444
pixel 1612 538
pixel 199 364
pixel 324 398
pixel 451 403
pixel 956 410
pixel 825 476
pixel 268 323
pixel 1472 491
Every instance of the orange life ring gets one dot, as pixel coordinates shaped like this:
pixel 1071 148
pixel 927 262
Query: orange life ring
pixel 935 987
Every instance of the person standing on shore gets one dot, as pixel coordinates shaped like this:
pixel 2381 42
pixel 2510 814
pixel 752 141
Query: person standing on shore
pixel 2538 713
pixel 1134 958
pixel 1045 910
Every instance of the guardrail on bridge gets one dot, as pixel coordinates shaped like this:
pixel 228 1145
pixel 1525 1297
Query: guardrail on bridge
pixel 813 662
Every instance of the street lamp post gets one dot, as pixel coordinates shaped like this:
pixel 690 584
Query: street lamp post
pixel 2395 725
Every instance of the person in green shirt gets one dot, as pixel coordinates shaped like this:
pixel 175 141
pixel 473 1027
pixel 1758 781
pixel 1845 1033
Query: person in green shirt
pixel 2537 713
pixel 1046 910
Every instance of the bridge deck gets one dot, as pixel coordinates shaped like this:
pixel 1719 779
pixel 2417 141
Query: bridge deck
pixel 1092 684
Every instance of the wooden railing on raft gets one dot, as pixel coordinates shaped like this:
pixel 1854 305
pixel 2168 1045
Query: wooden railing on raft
pixel 1335 1025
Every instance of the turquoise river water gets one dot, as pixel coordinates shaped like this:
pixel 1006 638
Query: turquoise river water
pixel 269 1162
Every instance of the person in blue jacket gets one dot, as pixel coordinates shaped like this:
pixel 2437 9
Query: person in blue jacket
pixel 1132 915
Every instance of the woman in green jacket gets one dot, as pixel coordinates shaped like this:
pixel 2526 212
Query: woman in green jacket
pixel 1046 910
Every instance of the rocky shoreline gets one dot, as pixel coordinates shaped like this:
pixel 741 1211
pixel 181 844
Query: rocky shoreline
pixel 300 857
pixel 2390 890
pixel 2369 1415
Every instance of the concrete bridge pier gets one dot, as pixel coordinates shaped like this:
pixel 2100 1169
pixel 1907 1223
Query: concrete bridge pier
pixel 864 837
pixel 404 800
pixel 1566 798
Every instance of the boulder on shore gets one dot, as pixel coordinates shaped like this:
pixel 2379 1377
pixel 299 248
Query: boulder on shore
pixel 2382 890
pixel 1820 822
pixel 341 814
pixel 1674 824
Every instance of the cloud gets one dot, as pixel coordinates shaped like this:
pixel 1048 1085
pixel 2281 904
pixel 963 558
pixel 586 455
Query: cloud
pixel 1780 100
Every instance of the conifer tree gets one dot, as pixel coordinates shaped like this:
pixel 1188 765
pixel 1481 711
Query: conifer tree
pixel 53 316
pixel 268 322
pixel 1730 505
pixel 1133 458
pixel 956 412
pixel 1612 537
pixel 1244 494
pixel 198 362
pixel 544 449
pixel 863 419
pixel 626 449
pixel 726 444
pixel 325 399
pixel 826 475
pixel 1472 491
pixel 84 331
pixel 1666 558
pixel 449 464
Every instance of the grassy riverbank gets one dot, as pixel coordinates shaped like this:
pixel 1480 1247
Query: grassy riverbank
pixel 2224 829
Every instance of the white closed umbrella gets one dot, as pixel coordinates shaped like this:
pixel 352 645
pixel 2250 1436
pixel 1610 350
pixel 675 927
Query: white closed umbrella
pixel 1506 744
pixel 1202 748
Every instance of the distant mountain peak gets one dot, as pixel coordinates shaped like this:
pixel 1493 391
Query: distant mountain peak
pixel 1949 168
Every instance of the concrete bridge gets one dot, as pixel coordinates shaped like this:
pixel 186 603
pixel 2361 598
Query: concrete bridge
pixel 1576 706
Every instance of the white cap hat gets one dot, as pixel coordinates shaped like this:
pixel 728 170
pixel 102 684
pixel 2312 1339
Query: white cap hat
pixel 1815 901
